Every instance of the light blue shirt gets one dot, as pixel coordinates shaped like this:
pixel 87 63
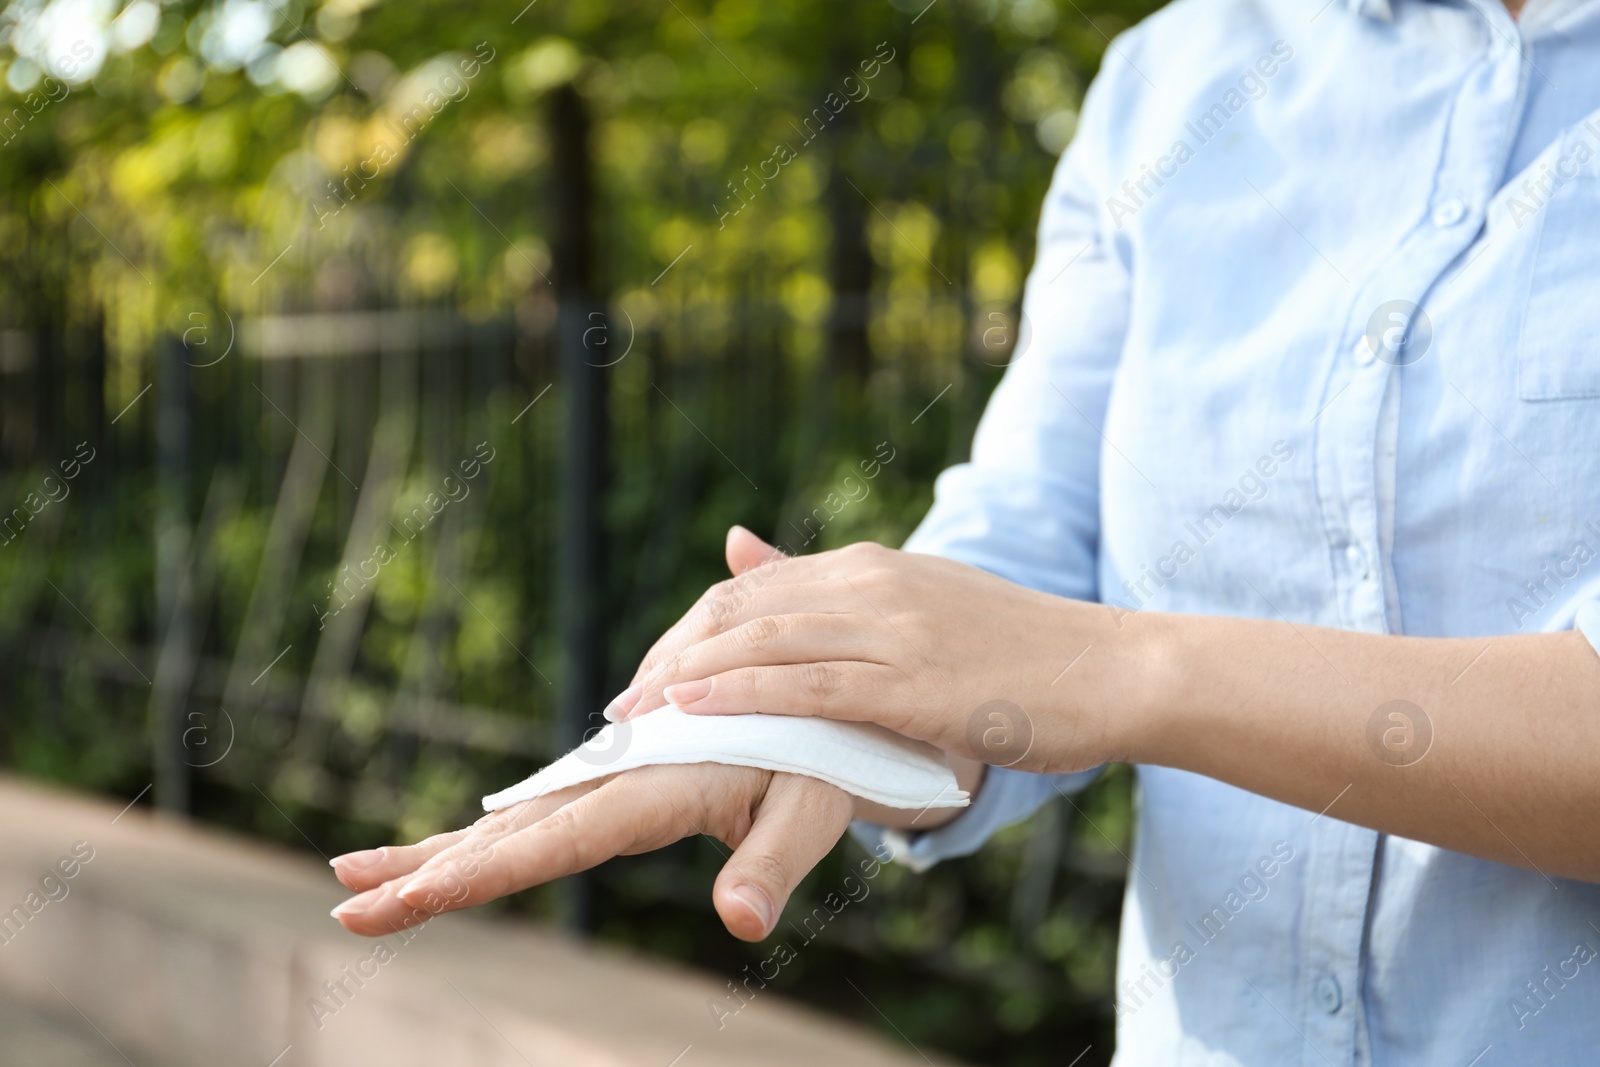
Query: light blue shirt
pixel 1230 405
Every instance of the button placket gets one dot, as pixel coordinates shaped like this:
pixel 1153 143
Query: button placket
pixel 1449 211
pixel 1359 560
pixel 1467 173
pixel 1328 994
pixel 1346 451
pixel 1339 885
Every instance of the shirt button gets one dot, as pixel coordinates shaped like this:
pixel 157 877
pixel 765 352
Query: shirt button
pixel 1362 352
pixel 1449 212
pixel 1356 556
pixel 1328 996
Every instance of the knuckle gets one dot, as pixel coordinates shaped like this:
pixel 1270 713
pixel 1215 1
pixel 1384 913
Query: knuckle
pixel 564 837
pixel 880 583
pixel 766 871
pixel 821 681
pixel 659 818
pixel 678 667
pixel 760 634
pixel 767 569
pixel 864 551
pixel 497 822
pixel 718 606
pixel 455 884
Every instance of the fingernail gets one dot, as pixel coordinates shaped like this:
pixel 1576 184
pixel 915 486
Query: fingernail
pixel 757 902
pixel 416 885
pixel 623 703
pixel 357 861
pixel 349 909
pixel 687 692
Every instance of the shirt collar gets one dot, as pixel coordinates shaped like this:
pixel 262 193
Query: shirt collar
pixel 1374 9
pixel 1383 10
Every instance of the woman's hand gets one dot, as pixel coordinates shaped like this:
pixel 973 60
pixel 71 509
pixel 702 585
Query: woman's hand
pixel 930 648
pixel 778 825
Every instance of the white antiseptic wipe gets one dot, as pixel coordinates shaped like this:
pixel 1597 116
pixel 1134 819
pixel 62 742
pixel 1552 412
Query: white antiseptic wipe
pixel 863 759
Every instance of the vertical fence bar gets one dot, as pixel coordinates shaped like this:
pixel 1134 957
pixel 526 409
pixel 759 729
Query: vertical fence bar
pixel 581 579
pixel 172 555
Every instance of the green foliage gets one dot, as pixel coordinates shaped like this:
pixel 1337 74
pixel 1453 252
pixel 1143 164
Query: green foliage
pixel 211 165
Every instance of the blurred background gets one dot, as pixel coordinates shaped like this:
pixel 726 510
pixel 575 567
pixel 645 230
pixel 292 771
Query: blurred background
pixel 378 380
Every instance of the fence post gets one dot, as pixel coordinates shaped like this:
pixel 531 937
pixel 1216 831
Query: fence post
pixel 172 546
pixel 581 578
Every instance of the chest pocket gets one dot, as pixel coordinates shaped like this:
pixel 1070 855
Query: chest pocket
pixel 1559 350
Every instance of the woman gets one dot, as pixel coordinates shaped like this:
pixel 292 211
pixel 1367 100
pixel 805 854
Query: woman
pixel 1293 502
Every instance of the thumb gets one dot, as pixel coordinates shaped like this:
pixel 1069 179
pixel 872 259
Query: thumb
pixel 745 550
pixel 799 821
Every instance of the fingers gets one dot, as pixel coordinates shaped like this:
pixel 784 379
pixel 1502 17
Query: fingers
pixel 629 813
pixel 702 619
pixel 828 689
pixel 366 870
pixel 720 607
pixel 361 871
pixel 792 823
pixel 788 637
pixel 745 551
pixel 378 874
pixel 634 812
pixel 745 612
pixel 799 821
pixel 766 582
pixel 379 911
pixel 758 568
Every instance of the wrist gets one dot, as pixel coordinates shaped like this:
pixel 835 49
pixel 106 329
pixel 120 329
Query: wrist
pixel 969 777
pixel 1147 676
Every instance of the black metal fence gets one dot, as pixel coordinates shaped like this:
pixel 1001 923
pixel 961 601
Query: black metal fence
pixel 320 587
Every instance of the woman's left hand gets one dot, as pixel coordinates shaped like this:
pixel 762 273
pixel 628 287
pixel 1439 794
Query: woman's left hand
pixel 928 647
pixel 777 826
pixel 1297 713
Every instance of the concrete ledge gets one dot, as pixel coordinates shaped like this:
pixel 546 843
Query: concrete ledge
pixel 187 946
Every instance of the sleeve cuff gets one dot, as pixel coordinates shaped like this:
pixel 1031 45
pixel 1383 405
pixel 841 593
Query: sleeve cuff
pixel 1006 797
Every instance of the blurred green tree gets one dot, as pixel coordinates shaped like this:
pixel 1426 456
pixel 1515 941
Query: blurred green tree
pixel 285 268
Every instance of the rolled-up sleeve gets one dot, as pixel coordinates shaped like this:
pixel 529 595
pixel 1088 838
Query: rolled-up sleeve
pixel 1026 505
pixel 1007 796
